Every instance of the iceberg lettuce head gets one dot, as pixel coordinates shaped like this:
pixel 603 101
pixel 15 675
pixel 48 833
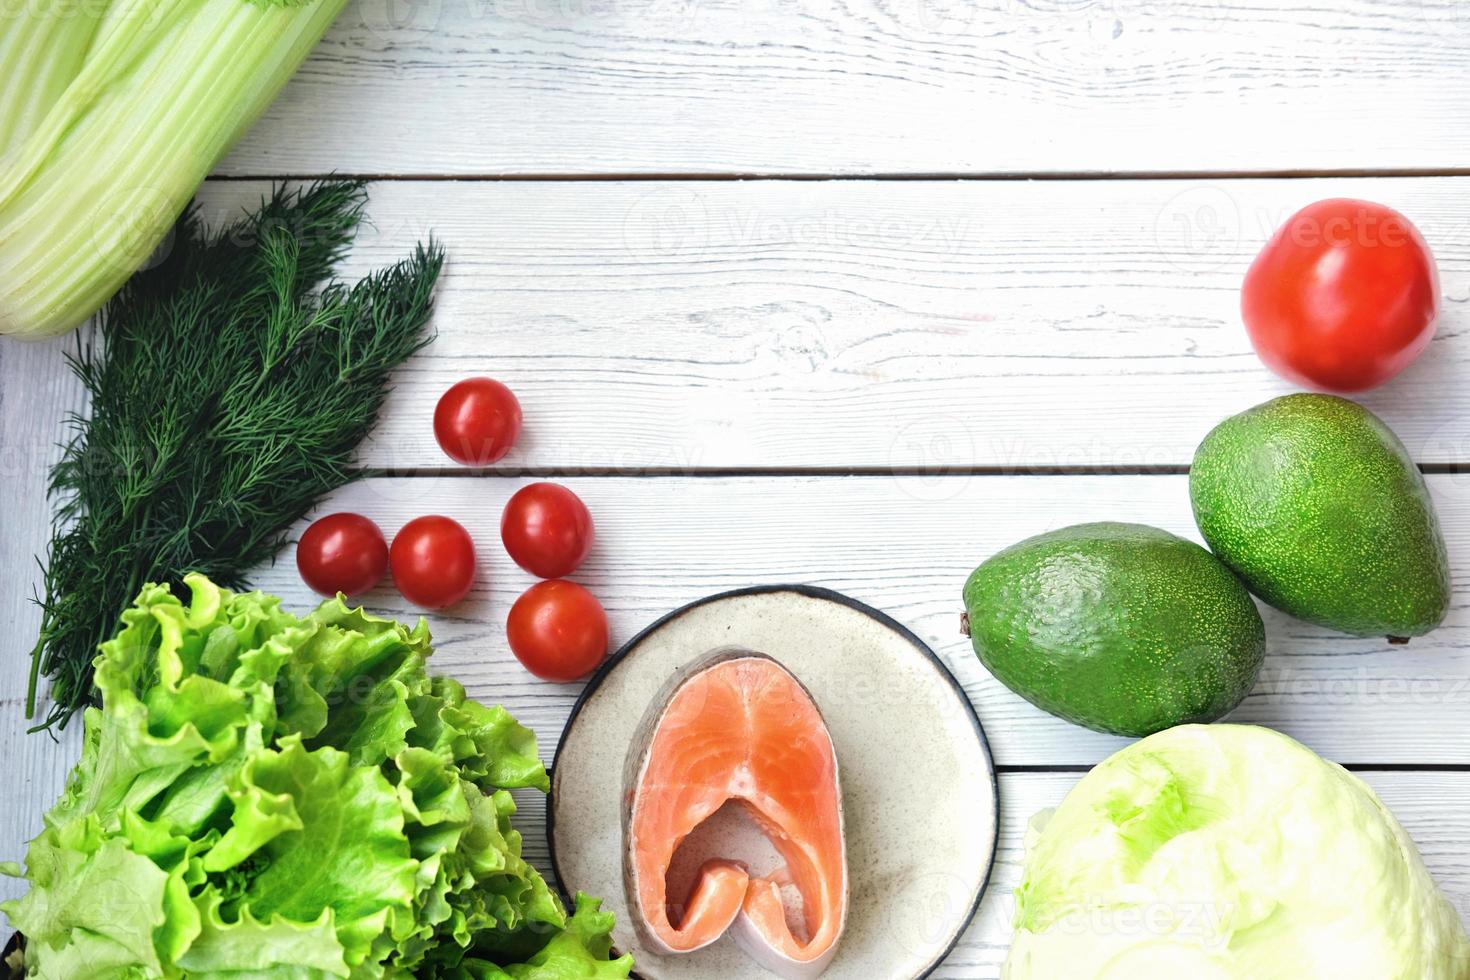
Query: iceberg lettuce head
pixel 1228 852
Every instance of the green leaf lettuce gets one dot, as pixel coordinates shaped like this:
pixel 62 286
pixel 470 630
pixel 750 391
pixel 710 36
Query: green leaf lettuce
pixel 262 795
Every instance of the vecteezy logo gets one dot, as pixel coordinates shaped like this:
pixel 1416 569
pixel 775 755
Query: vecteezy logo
pixel 1198 228
pixel 669 220
pixel 131 230
pixel 384 18
pixel 931 456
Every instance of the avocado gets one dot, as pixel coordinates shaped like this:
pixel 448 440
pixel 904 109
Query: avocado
pixel 1119 627
pixel 1318 507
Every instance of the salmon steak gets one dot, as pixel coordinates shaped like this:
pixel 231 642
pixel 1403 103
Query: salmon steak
pixel 737 726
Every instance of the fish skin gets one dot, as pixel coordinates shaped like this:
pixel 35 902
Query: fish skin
pixel 726 897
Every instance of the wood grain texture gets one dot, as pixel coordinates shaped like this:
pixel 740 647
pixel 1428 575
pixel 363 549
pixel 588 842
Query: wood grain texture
pixel 841 324
pixel 693 328
pixel 36 391
pixel 905 545
pixel 1433 807
pixel 873 86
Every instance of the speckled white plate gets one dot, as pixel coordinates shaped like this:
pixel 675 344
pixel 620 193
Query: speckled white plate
pixel 918 784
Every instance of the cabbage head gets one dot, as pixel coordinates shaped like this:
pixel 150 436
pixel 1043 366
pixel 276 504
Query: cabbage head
pixel 1228 852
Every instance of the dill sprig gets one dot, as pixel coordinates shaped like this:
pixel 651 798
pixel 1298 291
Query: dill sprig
pixel 230 386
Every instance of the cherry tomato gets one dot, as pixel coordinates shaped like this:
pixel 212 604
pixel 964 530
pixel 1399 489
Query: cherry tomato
pixel 477 421
pixel 1343 297
pixel 546 529
pixel 433 561
pixel 342 553
pixel 558 630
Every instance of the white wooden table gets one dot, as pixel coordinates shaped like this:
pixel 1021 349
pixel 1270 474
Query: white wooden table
pixel 982 282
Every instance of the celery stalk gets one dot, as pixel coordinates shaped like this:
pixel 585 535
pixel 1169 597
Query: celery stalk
pixel 42 45
pixel 165 89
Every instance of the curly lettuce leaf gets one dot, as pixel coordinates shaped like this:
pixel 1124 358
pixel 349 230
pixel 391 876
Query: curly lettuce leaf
pixel 350 686
pixel 490 748
pixel 332 839
pixel 160 718
pixel 92 898
pixel 578 952
pixel 120 899
pixel 247 946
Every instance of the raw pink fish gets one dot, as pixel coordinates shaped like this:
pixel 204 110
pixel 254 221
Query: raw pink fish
pixel 738 726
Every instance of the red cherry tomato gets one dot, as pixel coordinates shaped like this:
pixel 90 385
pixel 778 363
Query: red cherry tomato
pixel 1343 297
pixel 546 529
pixel 477 421
pixel 433 562
pixel 342 553
pixel 558 630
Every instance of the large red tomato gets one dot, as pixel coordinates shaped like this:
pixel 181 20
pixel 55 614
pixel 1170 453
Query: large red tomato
pixel 1343 297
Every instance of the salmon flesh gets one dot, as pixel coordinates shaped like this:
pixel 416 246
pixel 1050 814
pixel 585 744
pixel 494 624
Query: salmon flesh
pixel 736 725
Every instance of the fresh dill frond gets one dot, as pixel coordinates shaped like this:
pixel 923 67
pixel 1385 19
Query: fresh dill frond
pixel 230 386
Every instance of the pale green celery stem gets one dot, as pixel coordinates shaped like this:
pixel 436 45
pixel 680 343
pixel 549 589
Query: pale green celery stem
pixel 42 46
pixel 168 87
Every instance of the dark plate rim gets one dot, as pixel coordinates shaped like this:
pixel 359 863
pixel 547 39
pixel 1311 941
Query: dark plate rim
pixel 810 592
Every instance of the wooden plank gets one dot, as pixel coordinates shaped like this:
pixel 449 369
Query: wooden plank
pixel 36 390
pixel 1433 807
pixel 905 546
pixel 901 545
pixel 875 86
pixel 872 324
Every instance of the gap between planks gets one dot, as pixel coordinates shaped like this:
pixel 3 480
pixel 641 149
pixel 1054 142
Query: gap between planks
pixel 593 472
pixel 998 176
pixel 1404 767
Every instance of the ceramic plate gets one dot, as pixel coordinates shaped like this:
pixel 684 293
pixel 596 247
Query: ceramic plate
pixel 918 785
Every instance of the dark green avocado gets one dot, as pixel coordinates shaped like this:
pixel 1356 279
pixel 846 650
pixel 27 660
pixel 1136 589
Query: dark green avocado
pixel 1119 627
pixel 1315 503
